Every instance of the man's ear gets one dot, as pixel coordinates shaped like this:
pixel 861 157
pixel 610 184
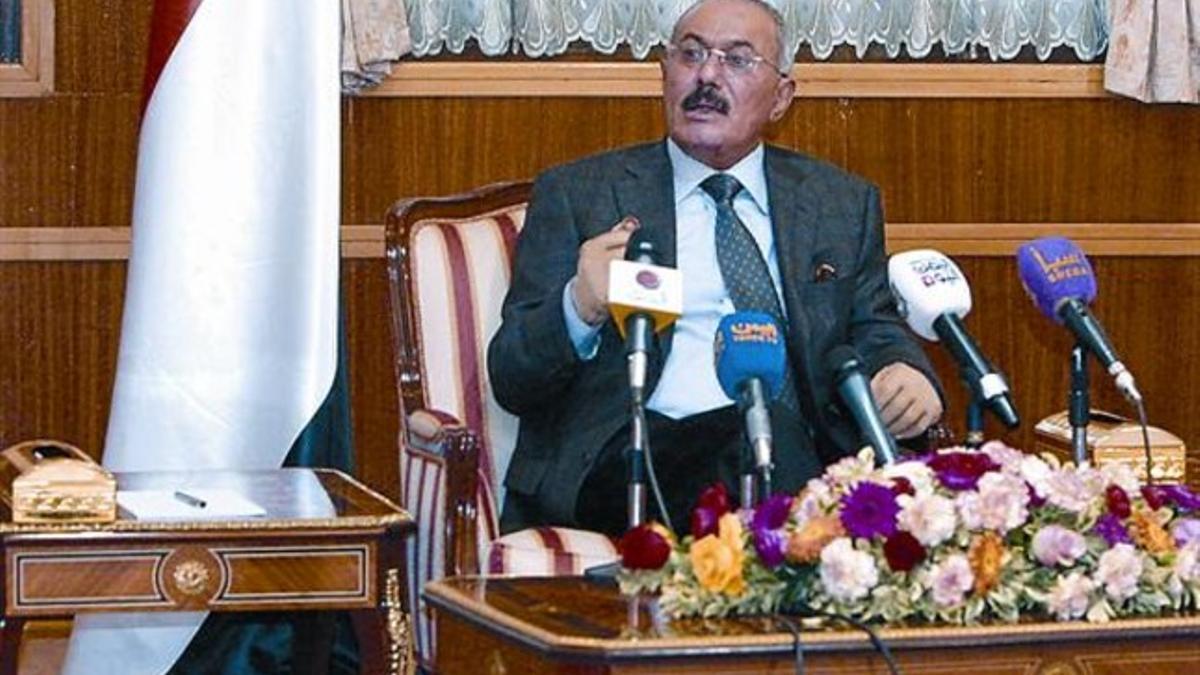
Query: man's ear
pixel 785 91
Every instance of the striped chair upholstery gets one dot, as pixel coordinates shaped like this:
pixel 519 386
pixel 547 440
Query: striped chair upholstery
pixel 449 262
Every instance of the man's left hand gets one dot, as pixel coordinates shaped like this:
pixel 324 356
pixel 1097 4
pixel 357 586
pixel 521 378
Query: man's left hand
pixel 907 401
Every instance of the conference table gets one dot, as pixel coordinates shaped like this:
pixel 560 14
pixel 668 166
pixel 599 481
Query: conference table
pixel 573 625
pixel 325 542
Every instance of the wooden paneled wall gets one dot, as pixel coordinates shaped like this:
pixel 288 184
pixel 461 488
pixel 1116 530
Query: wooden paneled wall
pixel 67 161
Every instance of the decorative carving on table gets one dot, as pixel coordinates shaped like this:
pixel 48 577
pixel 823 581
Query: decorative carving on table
pixel 192 577
pixel 401 656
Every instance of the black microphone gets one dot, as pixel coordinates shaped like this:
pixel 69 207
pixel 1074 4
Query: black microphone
pixel 846 368
pixel 933 296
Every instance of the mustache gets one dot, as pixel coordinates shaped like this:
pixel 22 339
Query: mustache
pixel 706 95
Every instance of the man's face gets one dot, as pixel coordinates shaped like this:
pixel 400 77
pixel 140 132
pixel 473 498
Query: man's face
pixel 715 114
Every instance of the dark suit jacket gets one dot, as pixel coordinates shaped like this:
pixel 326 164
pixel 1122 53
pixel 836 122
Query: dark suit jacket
pixel 569 408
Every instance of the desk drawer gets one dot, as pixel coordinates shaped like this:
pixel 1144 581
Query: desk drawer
pixel 225 575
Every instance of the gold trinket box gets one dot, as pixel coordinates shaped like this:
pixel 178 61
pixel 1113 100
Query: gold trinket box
pixel 45 481
pixel 1115 439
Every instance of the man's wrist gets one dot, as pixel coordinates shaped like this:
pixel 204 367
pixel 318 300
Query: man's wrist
pixel 592 319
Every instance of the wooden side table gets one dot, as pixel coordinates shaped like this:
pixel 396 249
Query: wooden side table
pixel 570 625
pixel 327 543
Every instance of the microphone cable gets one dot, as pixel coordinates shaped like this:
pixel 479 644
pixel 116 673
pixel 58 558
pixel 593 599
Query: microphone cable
pixel 639 413
pixel 1142 419
pixel 797 646
pixel 880 646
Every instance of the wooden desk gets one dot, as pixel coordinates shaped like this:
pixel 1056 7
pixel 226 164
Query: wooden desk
pixel 568 625
pixel 327 543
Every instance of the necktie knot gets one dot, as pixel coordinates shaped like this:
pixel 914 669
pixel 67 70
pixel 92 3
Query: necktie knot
pixel 722 187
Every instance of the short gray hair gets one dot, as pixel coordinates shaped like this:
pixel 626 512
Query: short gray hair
pixel 784 60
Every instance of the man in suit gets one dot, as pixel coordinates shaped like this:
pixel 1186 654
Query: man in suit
pixel 750 227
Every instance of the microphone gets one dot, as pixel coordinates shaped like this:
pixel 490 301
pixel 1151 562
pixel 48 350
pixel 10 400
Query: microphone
pixel 750 363
pixel 643 298
pixel 933 297
pixel 846 368
pixel 1058 277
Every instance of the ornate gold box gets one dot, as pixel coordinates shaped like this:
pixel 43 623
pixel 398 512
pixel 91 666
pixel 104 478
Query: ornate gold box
pixel 45 481
pixel 1112 438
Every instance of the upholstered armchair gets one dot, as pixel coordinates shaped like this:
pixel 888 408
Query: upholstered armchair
pixel 449 262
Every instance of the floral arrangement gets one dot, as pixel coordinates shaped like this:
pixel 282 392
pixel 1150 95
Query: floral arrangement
pixel 959 536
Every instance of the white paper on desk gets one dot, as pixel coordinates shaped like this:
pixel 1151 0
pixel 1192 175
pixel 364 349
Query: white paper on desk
pixel 164 505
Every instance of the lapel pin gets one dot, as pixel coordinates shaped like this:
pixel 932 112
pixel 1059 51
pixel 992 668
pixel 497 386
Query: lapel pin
pixel 824 272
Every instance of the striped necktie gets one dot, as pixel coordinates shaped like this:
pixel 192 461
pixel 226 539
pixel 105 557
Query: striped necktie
pixel 743 267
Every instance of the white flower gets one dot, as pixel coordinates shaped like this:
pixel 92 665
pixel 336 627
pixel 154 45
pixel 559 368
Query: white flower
pixel 1057 545
pixel 918 474
pixel 1074 488
pixel 816 499
pixel 1069 597
pixel 1008 458
pixel 1187 562
pixel 1036 472
pixel 1003 499
pixel 1122 475
pixel 852 469
pixel 847 574
pixel 929 518
pixel 950 580
pixel 1118 571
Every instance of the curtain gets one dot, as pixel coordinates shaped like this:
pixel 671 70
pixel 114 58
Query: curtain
pixel 999 28
pixel 374 34
pixel 1155 53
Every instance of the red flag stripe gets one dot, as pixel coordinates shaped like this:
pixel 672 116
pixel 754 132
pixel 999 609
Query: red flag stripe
pixel 167 24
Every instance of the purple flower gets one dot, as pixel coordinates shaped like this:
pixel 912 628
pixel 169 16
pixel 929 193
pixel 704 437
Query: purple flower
pixel 1185 531
pixel 961 470
pixel 1112 530
pixel 869 510
pixel 1180 496
pixel 766 526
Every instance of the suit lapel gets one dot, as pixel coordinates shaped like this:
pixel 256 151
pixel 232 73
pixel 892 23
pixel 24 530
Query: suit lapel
pixel 794 224
pixel 647 190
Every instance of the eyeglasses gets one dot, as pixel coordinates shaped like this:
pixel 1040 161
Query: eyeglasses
pixel 737 61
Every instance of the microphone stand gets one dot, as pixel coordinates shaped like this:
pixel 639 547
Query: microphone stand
pixel 1078 406
pixel 975 436
pixel 636 492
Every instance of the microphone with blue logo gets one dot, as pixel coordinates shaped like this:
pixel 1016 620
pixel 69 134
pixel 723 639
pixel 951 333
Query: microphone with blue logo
pixel 750 361
pixel 1059 279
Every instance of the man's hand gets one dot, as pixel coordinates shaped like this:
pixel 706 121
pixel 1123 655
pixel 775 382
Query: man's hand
pixel 907 401
pixel 590 292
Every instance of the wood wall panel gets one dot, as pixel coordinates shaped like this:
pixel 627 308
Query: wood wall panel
pixel 67 161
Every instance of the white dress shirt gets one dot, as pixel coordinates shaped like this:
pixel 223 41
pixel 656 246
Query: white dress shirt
pixel 689 380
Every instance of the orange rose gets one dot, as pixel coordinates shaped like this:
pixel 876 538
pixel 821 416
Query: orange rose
pixel 804 546
pixel 1147 533
pixel 717 560
pixel 986 556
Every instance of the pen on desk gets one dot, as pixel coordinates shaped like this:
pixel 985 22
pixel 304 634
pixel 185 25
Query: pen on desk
pixel 190 500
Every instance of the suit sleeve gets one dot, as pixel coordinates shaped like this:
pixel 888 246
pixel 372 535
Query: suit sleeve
pixel 531 359
pixel 876 329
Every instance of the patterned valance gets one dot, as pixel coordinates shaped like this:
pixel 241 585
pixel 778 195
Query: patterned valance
pixel 996 28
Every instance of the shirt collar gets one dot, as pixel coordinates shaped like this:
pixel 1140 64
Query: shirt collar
pixel 690 172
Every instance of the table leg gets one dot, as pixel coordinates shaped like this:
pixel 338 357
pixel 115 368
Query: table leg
pixel 385 637
pixel 11 647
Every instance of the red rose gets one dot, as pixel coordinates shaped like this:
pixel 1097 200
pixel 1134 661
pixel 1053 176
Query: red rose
pixel 1118 501
pixel 902 486
pixel 714 498
pixel 704 522
pixel 903 551
pixel 1153 496
pixel 643 548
